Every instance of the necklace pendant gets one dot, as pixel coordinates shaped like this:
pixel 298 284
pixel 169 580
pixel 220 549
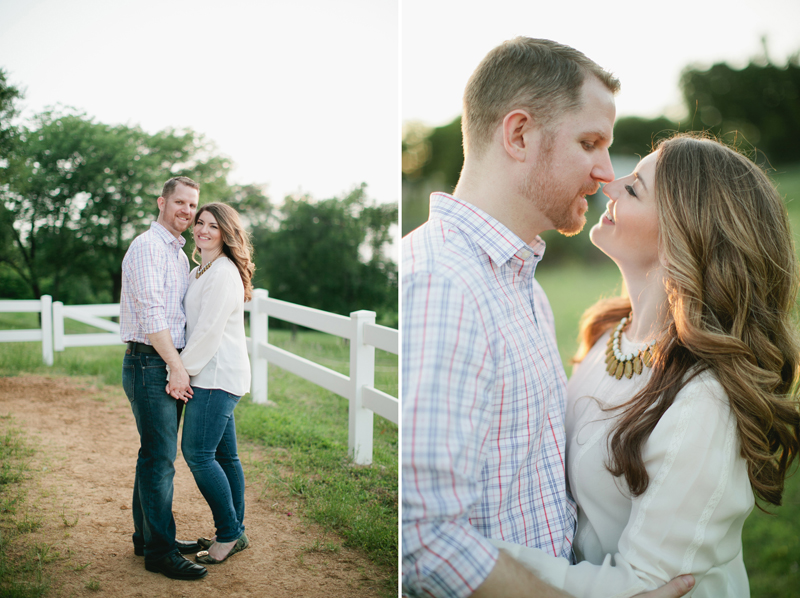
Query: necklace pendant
pixel 628 369
pixel 620 371
pixel 647 357
pixel 637 364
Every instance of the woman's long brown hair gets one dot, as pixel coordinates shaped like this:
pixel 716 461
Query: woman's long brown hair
pixel 731 280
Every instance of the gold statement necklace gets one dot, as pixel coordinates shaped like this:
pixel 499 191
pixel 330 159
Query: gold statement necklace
pixel 202 270
pixel 626 364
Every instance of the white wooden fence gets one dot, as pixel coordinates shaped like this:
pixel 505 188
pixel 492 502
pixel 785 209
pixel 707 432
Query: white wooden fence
pixel 360 329
pixel 44 334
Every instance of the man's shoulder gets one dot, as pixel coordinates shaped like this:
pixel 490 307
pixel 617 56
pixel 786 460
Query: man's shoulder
pixel 146 243
pixel 439 245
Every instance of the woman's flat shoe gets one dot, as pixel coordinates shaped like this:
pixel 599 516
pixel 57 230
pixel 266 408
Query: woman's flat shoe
pixel 204 543
pixel 206 559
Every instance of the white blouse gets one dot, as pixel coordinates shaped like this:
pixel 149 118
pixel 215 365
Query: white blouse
pixel 690 518
pixel 215 355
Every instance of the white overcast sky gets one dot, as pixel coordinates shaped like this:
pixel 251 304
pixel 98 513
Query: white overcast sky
pixel 646 44
pixel 302 95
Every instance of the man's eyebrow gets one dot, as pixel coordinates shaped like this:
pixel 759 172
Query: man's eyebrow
pixel 600 135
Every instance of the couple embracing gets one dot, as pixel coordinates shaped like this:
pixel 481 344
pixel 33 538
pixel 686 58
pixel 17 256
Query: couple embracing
pixel 186 353
pixel 638 474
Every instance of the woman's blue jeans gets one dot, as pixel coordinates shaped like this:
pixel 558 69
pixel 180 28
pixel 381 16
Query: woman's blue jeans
pixel 209 448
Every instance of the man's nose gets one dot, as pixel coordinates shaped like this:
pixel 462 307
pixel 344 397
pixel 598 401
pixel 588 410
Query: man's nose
pixel 603 170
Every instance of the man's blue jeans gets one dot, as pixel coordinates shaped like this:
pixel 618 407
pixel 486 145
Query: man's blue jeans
pixel 209 447
pixel 144 378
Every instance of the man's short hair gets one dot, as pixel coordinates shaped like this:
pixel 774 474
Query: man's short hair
pixel 172 184
pixel 538 75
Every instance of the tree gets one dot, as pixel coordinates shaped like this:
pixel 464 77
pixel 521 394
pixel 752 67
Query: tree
pixel 8 111
pixel 755 107
pixel 79 191
pixel 432 161
pixel 636 136
pixel 9 95
pixel 330 255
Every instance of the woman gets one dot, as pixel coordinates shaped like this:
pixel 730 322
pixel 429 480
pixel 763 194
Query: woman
pixel 684 404
pixel 216 360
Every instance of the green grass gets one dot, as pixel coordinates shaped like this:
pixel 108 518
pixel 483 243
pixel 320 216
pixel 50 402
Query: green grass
pixel 304 436
pixel 21 573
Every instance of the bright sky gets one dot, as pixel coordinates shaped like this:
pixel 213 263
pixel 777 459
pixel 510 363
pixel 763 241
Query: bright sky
pixel 645 44
pixel 301 95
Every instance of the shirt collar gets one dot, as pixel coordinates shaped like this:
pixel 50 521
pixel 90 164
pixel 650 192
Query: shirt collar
pixel 494 237
pixel 162 233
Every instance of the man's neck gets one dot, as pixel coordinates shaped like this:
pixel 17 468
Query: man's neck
pixel 173 233
pixel 495 192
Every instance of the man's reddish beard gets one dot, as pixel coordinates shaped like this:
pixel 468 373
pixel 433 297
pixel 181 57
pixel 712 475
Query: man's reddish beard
pixel 550 198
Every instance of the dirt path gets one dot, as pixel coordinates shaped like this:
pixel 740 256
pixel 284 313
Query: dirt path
pixel 87 440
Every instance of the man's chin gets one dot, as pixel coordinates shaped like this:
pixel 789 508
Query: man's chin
pixel 572 228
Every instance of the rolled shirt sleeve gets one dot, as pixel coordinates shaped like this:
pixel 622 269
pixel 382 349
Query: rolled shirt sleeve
pixel 148 283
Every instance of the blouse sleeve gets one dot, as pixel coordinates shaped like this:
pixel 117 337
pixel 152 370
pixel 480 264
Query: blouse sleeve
pixel 217 303
pixel 698 497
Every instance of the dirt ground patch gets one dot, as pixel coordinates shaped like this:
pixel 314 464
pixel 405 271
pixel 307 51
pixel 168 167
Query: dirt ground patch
pixel 86 444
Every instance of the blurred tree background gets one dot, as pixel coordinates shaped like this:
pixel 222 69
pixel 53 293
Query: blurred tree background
pixel 75 192
pixel 756 108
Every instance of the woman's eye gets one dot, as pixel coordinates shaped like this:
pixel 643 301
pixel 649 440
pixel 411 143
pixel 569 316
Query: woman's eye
pixel 630 190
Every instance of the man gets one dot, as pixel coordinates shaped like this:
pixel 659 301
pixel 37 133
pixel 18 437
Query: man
pixel 483 384
pixel 155 276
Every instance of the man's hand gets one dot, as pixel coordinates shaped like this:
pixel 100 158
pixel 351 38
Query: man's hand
pixel 510 579
pixel 178 387
pixel 674 589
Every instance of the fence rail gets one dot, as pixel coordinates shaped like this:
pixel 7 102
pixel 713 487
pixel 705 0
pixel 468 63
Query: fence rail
pixel 359 329
pixel 44 333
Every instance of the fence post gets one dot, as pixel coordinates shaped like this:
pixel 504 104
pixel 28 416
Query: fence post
pixel 362 373
pixel 259 330
pixel 58 326
pixel 47 329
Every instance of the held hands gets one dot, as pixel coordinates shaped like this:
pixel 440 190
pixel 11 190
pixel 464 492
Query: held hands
pixel 178 386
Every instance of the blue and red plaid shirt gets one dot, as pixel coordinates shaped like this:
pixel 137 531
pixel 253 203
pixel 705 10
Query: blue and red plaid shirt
pixel 483 402
pixel 155 276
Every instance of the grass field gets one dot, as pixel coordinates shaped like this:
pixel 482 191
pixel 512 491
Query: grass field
pixel 304 436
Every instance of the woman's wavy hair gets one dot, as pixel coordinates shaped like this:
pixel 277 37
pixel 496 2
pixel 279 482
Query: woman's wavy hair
pixel 731 275
pixel 236 243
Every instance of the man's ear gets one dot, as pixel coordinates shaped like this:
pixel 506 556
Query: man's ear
pixel 161 203
pixel 515 125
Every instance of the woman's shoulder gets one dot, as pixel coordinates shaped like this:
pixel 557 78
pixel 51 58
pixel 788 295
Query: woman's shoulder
pixel 702 403
pixel 704 386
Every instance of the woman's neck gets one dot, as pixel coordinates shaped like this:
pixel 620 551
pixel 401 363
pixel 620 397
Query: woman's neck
pixel 207 257
pixel 648 305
